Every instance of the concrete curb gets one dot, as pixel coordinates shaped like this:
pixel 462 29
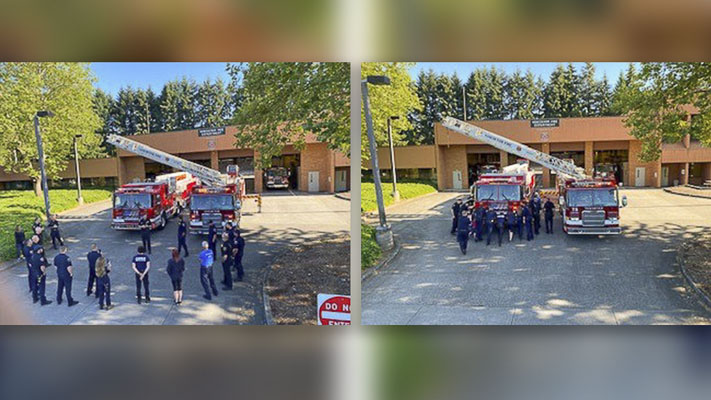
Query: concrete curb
pixel 686 194
pixel 268 317
pixel 372 271
pixel 374 214
pixel 703 296
pixel 342 197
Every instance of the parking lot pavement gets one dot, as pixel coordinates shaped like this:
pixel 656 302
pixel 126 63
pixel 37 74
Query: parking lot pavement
pixel 555 279
pixel 285 220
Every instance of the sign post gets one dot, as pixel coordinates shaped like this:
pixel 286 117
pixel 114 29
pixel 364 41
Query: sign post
pixel 333 309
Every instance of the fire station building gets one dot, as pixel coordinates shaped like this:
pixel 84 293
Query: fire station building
pixel 594 143
pixel 313 168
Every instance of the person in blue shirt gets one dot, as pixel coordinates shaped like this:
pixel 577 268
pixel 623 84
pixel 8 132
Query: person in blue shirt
pixel 238 251
pixel 182 236
pixel 91 257
pixel 207 258
pixel 141 264
pixel 27 252
pixel 64 276
pixel 39 274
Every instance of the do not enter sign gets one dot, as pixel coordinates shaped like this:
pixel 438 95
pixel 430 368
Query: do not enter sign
pixel 333 309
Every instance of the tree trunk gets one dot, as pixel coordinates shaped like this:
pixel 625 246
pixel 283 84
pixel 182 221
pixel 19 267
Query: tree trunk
pixel 38 187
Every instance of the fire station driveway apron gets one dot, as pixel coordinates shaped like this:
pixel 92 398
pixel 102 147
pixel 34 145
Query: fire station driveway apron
pixel 554 279
pixel 284 221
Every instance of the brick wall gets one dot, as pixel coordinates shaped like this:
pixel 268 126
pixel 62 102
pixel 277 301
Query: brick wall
pixel 653 170
pixel 317 157
pixel 451 158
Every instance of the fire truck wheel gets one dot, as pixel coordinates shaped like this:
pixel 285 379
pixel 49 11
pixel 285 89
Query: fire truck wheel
pixel 163 222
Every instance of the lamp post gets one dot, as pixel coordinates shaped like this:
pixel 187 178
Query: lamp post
pixel 40 153
pixel 80 199
pixel 383 234
pixel 396 194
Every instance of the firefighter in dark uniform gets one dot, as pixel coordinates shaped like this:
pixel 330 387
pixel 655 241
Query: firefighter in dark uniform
pixel 536 211
pixel 528 222
pixel 456 208
pixel 64 277
pixel 463 227
pixel 145 226
pixel 519 222
pixel 479 215
pixel 230 232
pixel 511 223
pixel 91 257
pixel 27 252
pixel 182 236
pixel 500 226
pixel 490 224
pixel 39 275
pixel 53 226
pixel 141 264
pixel 548 214
pixel 227 261
pixel 238 251
pixel 212 237
pixel 38 229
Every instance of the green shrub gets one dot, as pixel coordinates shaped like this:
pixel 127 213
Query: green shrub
pixel 369 249
pixel 408 190
pixel 20 207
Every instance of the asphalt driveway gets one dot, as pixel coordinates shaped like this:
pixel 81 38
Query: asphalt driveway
pixel 287 219
pixel 555 279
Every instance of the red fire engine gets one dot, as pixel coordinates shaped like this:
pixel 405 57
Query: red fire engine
pixel 590 206
pixel 504 191
pixel 157 201
pixel 218 204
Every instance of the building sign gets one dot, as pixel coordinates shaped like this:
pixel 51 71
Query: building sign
pixel 545 123
pixel 203 132
pixel 333 309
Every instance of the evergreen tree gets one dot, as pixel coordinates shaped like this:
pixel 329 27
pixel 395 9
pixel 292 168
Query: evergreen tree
pixel 617 102
pixel 103 104
pixel 522 96
pixel 559 95
pixel 213 104
pixel 494 83
pixel 587 92
pixel 603 97
pixel 476 95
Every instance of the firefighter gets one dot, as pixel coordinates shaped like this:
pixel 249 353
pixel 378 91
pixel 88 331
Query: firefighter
pixel 141 264
pixel 463 227
pixel 39 275
pixel 53 226
pixel 91 257
pixel 238 251
pixel 500 226
pixel 511 223
pixel 212 237
pixel 145 226
pixel 528 222
pixel 230 232
pixel 207 258
pixel 490 224
pixel 182 235
pixel 536 211
pixel 519 222
pixel 479 214
pixel 456 208
pixel 27 252
pixel 103 282
pixel 227 261
pixel 38 228
pixel 64 276
pixel 548 213
pixel 19 242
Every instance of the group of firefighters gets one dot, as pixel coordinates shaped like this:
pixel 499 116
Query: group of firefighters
pixel 99 266
pixel 472 220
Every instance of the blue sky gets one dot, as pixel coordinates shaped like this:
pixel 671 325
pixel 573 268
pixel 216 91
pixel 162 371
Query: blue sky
pixel 112 76
pixel 542 69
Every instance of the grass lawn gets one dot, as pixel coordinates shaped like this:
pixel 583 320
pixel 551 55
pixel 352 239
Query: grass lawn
pixel 20 207
pixel 369 249
pixel 408 190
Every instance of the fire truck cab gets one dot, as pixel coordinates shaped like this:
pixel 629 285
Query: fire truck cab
pixel 133 201
pixel 504 191
pixel 218 204
pixel 590 207
pixel 276 178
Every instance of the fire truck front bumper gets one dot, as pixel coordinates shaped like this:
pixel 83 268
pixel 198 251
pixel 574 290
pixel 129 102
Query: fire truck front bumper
pixel 277 185
pixel 592 230
pixel 200 228
pixel 120 225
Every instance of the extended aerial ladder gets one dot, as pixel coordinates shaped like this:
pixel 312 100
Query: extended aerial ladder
pixel 510 146
pixel 207 176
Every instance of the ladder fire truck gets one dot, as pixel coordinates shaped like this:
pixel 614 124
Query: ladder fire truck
pixel 218 197
pixel 587 205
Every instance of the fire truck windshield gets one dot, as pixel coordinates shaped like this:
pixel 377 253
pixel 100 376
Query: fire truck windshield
pixel 132 200
pixel 277 172
pixel 212 202
pixel 498 192
pixel 592 197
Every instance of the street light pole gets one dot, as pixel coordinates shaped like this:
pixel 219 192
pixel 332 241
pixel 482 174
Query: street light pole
pixel 396 194
pixel 40 153
pixel 80 199
pixel 383 234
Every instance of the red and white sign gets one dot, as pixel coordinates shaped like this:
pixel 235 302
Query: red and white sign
pixel 333 309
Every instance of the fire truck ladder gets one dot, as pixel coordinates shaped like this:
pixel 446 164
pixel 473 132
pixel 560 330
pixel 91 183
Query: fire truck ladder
pixel 207 176
pixel 513 147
